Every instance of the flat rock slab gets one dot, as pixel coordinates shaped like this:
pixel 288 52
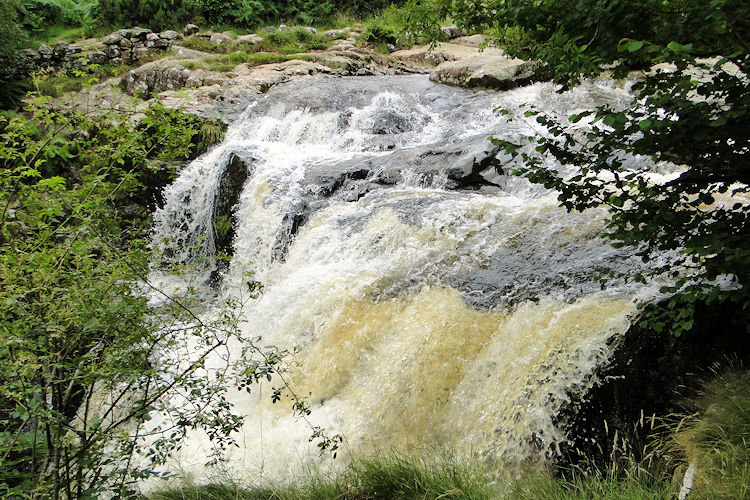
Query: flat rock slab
pixel 495 71
pixel 441 52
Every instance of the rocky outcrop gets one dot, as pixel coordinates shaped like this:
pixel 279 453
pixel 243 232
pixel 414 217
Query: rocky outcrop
pixel 238 169
pixel 465 64
pixel 486 71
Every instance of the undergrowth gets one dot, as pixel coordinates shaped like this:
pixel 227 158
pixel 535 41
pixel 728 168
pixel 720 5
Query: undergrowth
pixel 715 437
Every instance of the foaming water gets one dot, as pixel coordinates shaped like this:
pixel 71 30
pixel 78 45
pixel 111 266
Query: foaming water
pixel 421 310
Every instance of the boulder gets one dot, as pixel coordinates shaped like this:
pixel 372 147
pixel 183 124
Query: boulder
pixel 113 51
pixel 98 57
pixel 342 33
pixel 169 35
pixel 138 33
pixel 45 51
pixel 190 29
pixel 251 39
pixel 441 52
pixel 484 70
pixel 151 37
pixel 471 40
pixel 310 30
pixel 114 38
pixel 125 43
pixel 219 38
pixel 452 31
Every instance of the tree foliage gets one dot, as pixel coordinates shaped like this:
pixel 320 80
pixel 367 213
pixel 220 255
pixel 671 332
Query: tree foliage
pixel 90 350
pixel 690 112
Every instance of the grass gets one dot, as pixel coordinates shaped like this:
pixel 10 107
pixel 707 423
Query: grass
pixel 393 477
pixel 396 477
pixel 228 62
pixel 716 438
pixel 290 41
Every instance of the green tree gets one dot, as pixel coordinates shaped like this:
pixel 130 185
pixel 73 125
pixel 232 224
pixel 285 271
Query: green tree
pixel 13 64
pixel 691 112
pixel 85 360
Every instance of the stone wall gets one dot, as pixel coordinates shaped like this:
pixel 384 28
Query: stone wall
pixel 120 47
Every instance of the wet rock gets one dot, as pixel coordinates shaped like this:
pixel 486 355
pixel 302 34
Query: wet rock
pixel 238 169
pixel 190 29
pixel 471 172
pixel 390 122
pixel 290 226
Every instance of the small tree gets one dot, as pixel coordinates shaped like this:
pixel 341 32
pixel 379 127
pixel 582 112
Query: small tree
pixel 85 360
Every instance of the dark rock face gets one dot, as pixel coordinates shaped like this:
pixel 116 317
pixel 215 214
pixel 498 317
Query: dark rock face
pixel 650 374
pixel 238 169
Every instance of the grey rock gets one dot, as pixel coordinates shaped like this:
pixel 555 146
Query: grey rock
pixel 44 50
pixel 169 35
pixel 251 39
pixel 219 38
pixel 98 57
pixel 342 33
pixel 152 36
pixel 113 51
pixel 113 38
pixel 190 29
pixel 310 29
pixel 125 43
pixel 139 33
pixel 484 70
pixel 452 31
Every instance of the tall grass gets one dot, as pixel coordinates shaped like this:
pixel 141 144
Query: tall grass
pixel 715 437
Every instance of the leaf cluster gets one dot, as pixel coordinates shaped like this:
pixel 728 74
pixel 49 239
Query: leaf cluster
pixel 687 117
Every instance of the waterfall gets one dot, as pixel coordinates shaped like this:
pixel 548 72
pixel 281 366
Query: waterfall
pixel 429 296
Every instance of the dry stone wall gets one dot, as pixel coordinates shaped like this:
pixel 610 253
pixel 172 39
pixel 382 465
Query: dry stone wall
pixel 124 46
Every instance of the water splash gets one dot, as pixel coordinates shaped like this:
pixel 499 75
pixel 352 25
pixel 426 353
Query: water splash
pixel 420 312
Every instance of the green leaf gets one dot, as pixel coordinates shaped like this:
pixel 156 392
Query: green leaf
pixel 635 46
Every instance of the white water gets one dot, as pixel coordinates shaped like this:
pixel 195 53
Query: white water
pixel 421 315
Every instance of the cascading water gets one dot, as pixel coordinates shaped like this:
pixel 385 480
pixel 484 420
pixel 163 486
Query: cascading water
pixel 430 298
